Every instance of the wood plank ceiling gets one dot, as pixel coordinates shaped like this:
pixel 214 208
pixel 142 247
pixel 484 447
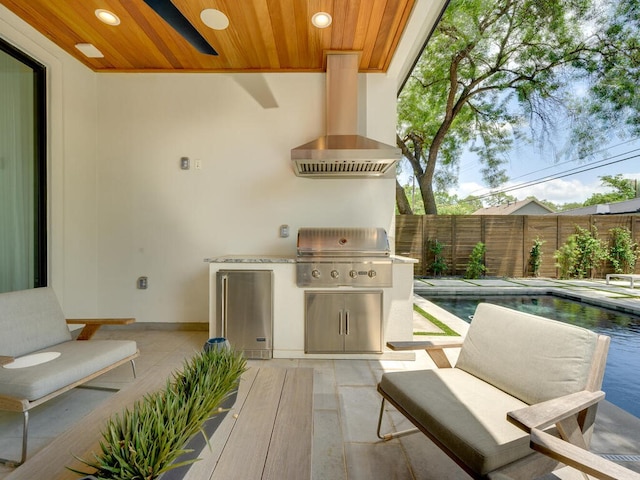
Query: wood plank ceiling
pixel 263 35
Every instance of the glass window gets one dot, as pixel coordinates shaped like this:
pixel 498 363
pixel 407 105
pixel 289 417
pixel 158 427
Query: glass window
pixel 23 241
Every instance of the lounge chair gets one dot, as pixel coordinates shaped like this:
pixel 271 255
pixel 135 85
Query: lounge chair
pixel 39 360
pixel 519 380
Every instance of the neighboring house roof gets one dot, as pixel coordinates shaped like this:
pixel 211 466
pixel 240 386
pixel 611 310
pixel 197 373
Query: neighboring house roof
pixel 617 208
pixel 523 207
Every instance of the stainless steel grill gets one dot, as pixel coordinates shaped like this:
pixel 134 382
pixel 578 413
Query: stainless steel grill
pixel 334 257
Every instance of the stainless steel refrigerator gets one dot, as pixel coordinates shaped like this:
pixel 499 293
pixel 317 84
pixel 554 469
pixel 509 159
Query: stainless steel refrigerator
pixel 244 310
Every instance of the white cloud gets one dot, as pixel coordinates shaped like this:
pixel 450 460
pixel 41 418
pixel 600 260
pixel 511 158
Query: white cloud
pixel 558 191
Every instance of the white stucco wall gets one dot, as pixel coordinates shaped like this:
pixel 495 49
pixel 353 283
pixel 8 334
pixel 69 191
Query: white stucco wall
pixel 120 207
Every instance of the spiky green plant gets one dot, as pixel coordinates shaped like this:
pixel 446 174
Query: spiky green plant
pixel 143 442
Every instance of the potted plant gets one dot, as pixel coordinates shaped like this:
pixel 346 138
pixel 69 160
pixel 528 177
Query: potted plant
pixel 152 437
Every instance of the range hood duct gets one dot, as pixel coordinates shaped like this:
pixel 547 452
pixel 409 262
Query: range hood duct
pixel 341 153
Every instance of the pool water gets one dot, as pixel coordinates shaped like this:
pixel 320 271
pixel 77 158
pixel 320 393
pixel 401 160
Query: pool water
pixel 621 380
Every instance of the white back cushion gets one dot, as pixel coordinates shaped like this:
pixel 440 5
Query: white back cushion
pixel 30 320
pixel 530 357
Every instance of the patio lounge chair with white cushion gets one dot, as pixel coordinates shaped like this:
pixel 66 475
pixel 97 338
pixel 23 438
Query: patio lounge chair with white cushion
pixel 39 360
pixel 517 375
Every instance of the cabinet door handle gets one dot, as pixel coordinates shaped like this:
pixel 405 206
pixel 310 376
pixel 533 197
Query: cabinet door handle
pixel 346 322
pixel 340 322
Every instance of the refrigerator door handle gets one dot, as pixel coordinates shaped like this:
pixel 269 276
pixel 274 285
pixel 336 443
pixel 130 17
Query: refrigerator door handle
pixel 224 300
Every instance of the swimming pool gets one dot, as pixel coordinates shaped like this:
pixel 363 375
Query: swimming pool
pixel 621 381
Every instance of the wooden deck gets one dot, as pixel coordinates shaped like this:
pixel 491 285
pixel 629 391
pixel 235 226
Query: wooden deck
pixel 266 435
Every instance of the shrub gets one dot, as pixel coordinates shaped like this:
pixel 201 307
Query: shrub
pixel 144 441
pixel 592 252
pixel 535 256
pixel 566 257
pixel 623 252
pixel 476 267
pixel 439 265
pixel 582 254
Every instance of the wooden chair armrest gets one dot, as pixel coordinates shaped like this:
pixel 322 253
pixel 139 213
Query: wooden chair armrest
pixel 434 348
pixel 426 344
pixel 579 458
pixel 5 360
pixel 544 414
pixel 101 321
pixel 91 325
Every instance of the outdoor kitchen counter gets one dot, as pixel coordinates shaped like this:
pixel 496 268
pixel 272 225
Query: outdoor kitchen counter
pixel 289 304
pixel 251 259
pixel 281 259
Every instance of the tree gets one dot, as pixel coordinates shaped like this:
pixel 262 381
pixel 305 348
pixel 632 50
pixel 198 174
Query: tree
pixel 623 189
pixel 499 70
pixel 451 205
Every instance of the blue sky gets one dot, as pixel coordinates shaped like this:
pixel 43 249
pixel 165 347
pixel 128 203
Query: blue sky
pixel 572 182
pixel 567 181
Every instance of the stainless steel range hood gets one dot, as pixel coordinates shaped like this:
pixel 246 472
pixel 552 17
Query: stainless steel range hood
pixel 342 153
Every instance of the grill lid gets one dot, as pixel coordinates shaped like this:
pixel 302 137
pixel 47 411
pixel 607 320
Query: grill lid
pixel 343 242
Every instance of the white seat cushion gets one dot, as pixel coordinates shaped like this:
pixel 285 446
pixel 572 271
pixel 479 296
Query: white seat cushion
pixel 464 413
pixel 78 359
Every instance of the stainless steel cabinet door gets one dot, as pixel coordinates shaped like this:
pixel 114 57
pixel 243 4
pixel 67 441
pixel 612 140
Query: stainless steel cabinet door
pixel 363 322
pixel 323 322
pixel 343 322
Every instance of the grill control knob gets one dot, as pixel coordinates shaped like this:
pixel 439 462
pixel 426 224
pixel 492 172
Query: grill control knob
pixel 335 274
pixel 315 273
pixel 372 273
pixel 353 274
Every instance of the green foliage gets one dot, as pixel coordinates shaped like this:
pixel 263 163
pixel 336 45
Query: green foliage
pixel 439 265
pixel 412 192
pixel 592 252
pixel 476 267
pixel 499 71
pixel 582 254
pixel 623 189
pixel 144 441
pixel 566 258
pixel 623 251
pixel 452 205
pixel 535 256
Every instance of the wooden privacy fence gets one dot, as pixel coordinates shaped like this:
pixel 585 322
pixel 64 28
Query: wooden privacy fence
pixel 508 239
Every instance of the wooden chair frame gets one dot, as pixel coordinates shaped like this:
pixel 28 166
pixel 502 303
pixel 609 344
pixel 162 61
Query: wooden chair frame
pixel 573 416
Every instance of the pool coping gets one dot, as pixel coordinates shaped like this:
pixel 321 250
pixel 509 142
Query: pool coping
pixel 594 292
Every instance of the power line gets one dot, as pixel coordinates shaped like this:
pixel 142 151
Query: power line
pixel 591 163
pixel 578 167
pixel 555 177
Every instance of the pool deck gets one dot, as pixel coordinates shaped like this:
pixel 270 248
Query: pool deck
pixel 617 432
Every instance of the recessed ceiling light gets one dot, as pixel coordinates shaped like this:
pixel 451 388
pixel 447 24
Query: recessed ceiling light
pixel 321 19
pixel 89 50
pixel 105 16
pixel 215 19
